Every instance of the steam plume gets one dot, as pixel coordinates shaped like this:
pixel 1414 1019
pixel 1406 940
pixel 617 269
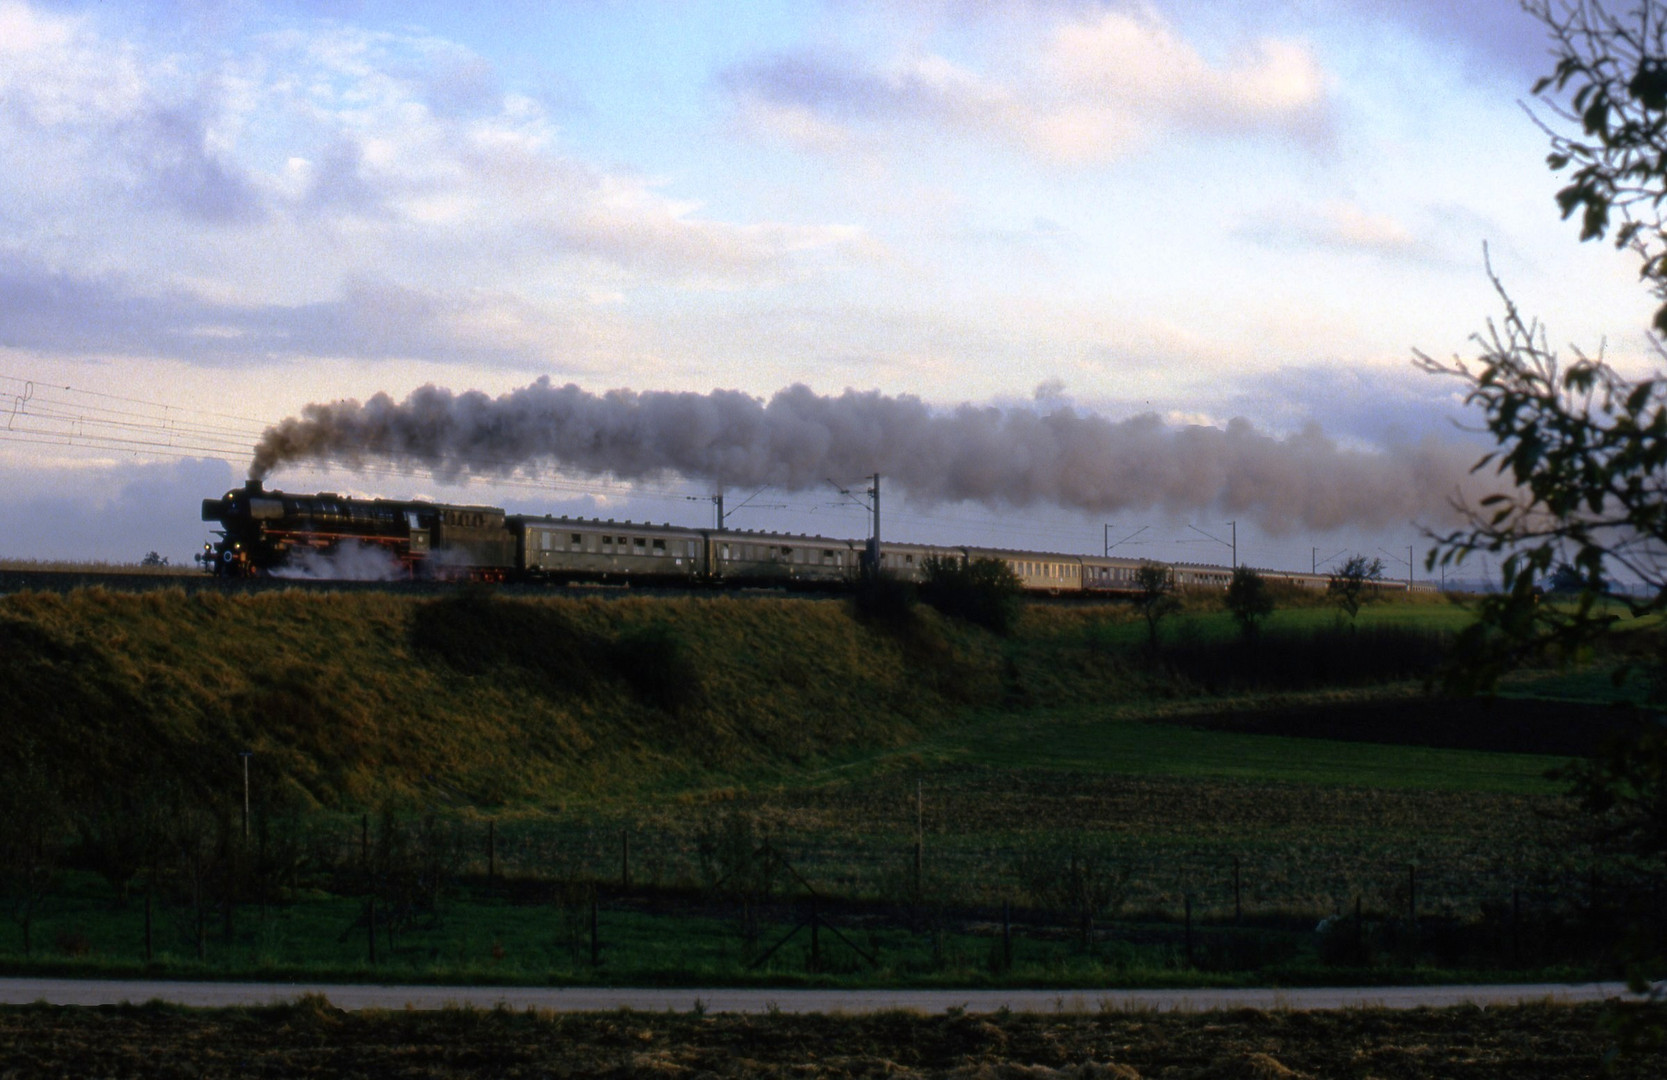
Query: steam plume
pixel 1003 457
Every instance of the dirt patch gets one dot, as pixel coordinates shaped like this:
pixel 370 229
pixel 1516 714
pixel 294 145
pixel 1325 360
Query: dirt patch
pixel 1529 1042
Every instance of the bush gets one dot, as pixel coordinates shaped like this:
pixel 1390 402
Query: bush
pixel 655 663
pixel 475 632
pixel 883 599
pixel 1249 600
pixel 984 592
pixel 1336 656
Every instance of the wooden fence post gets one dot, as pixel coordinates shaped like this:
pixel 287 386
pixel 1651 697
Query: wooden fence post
pixel 1187 900
pixel 1516 927
pixel 1007 935
pixel 1238 910
pixel 920 838
pixel 595 941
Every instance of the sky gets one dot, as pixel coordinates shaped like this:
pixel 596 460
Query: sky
pixel 1183 213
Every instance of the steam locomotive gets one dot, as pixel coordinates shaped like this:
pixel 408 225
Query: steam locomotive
pixel 275 533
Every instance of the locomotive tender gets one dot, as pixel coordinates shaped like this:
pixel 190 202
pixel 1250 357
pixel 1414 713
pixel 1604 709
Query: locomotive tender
pixel 265 533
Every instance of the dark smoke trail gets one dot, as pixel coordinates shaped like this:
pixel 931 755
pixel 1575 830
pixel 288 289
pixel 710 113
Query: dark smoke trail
pixel 1012 457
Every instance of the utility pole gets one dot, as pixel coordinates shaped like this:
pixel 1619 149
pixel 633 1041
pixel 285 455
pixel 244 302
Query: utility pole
pixel 718 502
pixel 874 541
pixel 1232 545
pixel 872 548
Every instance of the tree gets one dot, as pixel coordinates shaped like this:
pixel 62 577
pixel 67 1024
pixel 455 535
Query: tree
pixel 1249 600
pixel 1355 583
pixel 1584 449
pixel 1566 580
pixel 152 558
pixel 1155 598
pixel 1613 70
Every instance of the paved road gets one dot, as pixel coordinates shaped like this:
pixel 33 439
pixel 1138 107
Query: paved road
pixel 588 999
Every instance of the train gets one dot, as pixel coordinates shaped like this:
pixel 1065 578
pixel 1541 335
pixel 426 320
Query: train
pixel 275 534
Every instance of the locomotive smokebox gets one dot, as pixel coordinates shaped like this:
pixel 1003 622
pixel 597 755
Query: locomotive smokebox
pixel 214 510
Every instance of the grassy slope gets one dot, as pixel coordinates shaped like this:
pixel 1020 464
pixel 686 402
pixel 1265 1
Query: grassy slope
pixel 331 691
pixel 826 727
pixel 353 697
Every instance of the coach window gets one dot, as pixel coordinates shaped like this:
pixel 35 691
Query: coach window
pixel 578 542
pixel 659 547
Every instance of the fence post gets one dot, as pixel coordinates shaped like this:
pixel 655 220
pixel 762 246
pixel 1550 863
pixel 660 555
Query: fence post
pixel 1516 927
pixel 815 938
pixel 1238 910
pixel 595 939
pixel 1187 900
pixel 1007 934
pixel 920 837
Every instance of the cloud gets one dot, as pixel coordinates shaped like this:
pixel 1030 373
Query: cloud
pixel 1099 85
pixel 323 190
pixel 117 512
pixel 1341 225
pixel 1373 406
pixel 48 310
pixel 168 146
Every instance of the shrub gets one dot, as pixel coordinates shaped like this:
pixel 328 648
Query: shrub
pixel 1336 656
pixel 656 664
pixel 474 632
pixel 984 592
pixel 1248 599
pixel 883 599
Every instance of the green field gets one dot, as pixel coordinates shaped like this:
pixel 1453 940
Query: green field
pixel 485 766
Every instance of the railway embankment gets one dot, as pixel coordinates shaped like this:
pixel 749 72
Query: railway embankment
pixel 353 696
